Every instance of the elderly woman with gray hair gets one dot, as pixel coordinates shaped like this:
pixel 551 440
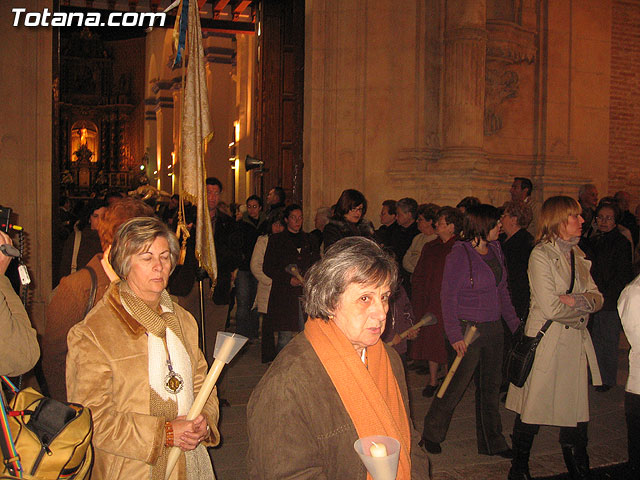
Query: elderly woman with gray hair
pixel 134 361
pixel 336 382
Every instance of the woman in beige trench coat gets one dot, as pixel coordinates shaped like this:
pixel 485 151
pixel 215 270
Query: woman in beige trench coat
pixel 556 392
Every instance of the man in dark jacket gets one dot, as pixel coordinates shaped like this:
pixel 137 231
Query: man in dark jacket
pixel 275 202
pixel 228 257
pixel 388 223
pixel 251 225
pixel 402 236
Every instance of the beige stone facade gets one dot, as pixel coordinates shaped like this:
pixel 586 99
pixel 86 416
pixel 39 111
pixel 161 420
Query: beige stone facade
pixel 453 98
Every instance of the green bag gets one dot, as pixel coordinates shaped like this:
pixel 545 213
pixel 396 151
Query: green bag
pixel 51 439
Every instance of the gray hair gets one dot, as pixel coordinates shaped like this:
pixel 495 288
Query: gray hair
pixel 133 237
pixel 408 205
pixel 583 189
pixel 324 212
pixel 349 260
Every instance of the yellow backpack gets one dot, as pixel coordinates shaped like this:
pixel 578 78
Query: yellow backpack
pixel 44 439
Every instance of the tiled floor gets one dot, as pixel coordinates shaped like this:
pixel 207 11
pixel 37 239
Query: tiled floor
pixel 459 459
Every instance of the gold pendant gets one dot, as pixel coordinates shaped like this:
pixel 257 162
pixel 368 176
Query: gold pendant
pixel 173 382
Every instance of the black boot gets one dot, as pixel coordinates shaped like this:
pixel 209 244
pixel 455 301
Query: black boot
pixel 521 445
pixel 576 459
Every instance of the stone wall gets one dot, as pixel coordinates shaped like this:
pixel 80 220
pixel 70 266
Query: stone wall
pixel 624 132
pixel 454 98
pixel 25 144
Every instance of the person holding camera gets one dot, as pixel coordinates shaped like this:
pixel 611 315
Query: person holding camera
pixel 18 342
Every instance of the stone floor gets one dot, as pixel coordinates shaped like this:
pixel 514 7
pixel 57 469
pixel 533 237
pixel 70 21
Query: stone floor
pixel 459 459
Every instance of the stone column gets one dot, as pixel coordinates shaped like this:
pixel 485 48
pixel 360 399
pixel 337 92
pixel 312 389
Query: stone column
pixel 464 80
pixel 164 145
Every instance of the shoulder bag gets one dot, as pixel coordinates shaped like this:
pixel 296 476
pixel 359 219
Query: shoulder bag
pixel 523 352
pixel 43 439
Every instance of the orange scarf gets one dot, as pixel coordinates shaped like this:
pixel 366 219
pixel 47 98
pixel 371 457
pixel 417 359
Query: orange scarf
pixel 371 397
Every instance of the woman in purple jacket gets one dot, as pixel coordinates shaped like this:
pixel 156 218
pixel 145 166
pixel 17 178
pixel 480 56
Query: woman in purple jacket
pixel 474 292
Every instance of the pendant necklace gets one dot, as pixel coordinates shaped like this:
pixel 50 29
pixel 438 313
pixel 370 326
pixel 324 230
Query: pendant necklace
pixel 173 382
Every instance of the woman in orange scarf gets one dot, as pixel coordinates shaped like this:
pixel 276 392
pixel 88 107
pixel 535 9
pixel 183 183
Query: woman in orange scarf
pixel 336 382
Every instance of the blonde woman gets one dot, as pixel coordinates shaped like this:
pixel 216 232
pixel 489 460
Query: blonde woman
pixel 563 294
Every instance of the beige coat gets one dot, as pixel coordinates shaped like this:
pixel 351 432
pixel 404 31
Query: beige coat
pixel 556 392
pixel 107 371
pixel 264 282
pixel 18 341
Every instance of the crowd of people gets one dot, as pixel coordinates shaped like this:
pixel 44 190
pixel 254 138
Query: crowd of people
pixel 125 315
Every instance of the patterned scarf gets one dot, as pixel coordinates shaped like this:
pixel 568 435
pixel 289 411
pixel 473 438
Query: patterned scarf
pixel 165 337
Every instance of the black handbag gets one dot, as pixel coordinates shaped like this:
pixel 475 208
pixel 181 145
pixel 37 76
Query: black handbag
pixel 523 352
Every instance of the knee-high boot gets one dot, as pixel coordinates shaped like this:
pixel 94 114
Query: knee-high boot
pixel 576 459
pixel 521 444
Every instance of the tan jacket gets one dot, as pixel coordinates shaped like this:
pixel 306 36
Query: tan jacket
pixel 107 371
pixel 18 340
pixel 556 392
pixel 67 308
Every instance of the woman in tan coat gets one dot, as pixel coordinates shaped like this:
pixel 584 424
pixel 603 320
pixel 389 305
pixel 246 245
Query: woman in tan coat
pixel 556 392
pixel 134 361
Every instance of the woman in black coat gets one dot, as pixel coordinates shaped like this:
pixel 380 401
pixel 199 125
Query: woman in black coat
pixel 293 246
pixel 611 270
pixel 348 219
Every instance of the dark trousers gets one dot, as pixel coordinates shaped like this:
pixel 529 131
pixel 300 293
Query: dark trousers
pixel 268 339
pixel 574 436
pixel 605 333
pixel 247 322
pixel 632 414
pixel 483 361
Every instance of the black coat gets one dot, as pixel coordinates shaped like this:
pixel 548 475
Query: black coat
pixel 611 268
pixel 283 309
pixel 249 231
pixel 401 238
pixel 516 253
pixel 227 241
pixel 338 229
pixel 384 233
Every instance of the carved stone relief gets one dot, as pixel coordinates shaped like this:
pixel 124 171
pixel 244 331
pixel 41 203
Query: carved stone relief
pixel 507 44
pixel 500 85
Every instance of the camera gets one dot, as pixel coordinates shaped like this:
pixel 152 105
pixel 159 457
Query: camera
pixel 5 216
pixel 5 225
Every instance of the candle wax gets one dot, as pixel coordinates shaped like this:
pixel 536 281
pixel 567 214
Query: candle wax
pixel 378 450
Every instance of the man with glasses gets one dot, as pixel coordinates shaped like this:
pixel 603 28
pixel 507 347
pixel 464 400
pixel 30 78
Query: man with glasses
pixel 388 223
pixel 251 226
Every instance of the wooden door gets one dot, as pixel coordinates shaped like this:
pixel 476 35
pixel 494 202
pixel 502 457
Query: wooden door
pixel 280 95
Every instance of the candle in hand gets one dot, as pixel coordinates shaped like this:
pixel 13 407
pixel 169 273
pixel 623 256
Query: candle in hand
pixel 378 450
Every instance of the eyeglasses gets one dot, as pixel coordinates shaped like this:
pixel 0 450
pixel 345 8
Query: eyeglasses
pixel 356 209
pixel 253 206
pixel 608 218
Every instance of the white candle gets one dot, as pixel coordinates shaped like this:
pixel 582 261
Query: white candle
pixel 378 450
